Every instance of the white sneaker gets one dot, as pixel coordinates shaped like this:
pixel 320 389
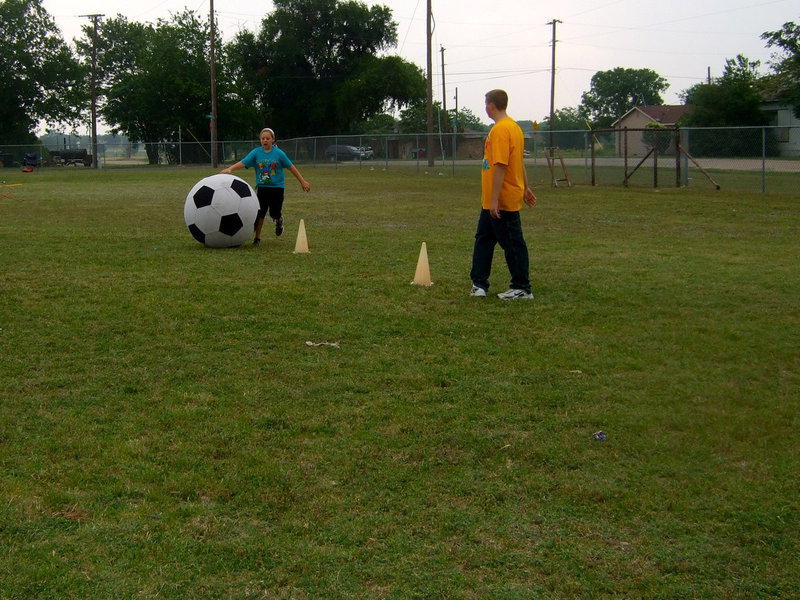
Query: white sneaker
pixel 513 294
pixel 478 292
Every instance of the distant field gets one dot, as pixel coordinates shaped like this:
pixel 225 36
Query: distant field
pixel 167 432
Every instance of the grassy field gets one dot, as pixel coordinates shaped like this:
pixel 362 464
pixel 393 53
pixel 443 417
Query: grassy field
pixel 167 432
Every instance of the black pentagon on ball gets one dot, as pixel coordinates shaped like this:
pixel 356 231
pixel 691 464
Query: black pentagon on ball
pixel 230 224
pixel 203 196
pixel 197 234
pixel 241 188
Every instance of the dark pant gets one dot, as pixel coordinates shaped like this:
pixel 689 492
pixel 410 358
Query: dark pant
pixel 506 231
pixel 270 199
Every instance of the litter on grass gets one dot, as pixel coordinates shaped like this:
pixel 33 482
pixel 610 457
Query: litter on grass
pixel 331 344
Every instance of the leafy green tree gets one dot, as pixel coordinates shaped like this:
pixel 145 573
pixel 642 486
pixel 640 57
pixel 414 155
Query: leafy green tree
pixel 732 100
pixel 741 69
pixel 467 120
pixel 40 78
pixel 155 79
pixel 615 92
pixel 573 121
pixel 378 124
pixel 785 83
pixel 315 67
pixel 414 119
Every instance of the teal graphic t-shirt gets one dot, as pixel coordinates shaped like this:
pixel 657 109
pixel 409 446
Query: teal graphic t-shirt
pixel 269 166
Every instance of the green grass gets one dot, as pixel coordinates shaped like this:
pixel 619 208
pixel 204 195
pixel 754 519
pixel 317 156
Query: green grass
pixel 166 432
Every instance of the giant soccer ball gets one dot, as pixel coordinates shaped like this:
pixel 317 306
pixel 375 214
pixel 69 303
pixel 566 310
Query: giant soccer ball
pixel 220 211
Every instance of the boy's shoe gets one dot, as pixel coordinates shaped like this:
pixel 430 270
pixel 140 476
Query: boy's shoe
pixel 256 241
pixel 513 294
pixel 478 292
pixel 279 226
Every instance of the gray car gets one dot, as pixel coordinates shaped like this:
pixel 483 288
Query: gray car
pixel 339 152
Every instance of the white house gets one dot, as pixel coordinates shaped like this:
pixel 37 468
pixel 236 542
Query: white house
pixel 787 128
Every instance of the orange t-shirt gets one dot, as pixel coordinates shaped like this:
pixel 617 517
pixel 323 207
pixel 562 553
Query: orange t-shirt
pixel 504 145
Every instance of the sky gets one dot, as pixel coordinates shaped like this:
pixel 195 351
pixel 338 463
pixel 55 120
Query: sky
pixel 508 43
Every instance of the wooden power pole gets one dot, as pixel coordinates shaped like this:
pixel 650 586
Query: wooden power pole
pixel 95 18
pixel 213 122
pixel 429 36
pixel 553 86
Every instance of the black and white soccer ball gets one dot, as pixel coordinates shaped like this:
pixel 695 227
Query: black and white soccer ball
pixel 220 211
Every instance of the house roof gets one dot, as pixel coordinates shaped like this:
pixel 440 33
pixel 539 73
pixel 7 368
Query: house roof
pixel 666 114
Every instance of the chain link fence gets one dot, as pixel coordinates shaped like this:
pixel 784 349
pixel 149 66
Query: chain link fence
pixel 765 159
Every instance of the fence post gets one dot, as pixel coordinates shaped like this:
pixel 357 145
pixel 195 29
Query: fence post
pixel 585 156
pixel 452 148
pixel 684 141
pixel 677 140
pixel 625 154
pixel 763 160
pixel 655 166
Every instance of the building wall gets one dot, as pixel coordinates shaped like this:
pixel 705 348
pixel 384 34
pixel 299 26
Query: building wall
pixel 788 129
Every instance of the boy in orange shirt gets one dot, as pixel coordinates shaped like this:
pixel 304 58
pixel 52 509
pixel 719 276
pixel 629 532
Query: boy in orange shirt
pixel 504 188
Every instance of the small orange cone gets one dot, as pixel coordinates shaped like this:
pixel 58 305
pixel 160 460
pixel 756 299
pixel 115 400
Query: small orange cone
pixel 423 274
pixel 301 246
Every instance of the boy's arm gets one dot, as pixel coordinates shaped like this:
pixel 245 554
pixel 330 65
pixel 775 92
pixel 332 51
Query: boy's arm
pixel 498 177
pixel 527 196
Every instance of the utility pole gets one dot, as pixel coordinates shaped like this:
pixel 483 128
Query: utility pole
pixel 553 86
pixel 95 18
pixel 428 37
pixel 213 122
pixel 455 119
pixel 444 87
pixel 455 127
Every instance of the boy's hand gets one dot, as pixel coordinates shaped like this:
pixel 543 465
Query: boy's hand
pixel 529 197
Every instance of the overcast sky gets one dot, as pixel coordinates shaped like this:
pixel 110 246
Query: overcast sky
pixel 507 43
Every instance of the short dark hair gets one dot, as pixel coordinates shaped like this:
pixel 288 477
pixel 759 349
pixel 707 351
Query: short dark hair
pixel 497 97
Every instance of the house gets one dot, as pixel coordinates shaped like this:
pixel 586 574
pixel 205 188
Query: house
pixel 471 143
pixel 786 128
pixel 639 117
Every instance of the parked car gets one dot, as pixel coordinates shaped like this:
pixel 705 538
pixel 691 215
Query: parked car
pixel 338 152
pixel 366 152
pixel 418 153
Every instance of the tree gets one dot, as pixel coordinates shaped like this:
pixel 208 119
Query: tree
pixel 377 124
pixel 155 80
pixel 572 120
pixel 315 66
pixel 40 79
pixel 732 100
pixel 414 119
pixel 467 120
pixel 615 92
pixel 785 83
